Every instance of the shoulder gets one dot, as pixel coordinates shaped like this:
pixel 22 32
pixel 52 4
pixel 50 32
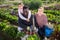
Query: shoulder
pixel 44 14
pixel 29 11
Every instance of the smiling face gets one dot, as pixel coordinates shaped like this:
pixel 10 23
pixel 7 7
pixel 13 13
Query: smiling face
pixel 41 10
pixel 21 5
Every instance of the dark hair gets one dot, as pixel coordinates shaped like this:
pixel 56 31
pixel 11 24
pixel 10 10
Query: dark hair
pixel 25 7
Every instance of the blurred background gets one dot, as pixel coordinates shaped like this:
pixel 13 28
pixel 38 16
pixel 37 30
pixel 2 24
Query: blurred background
pixel 9 17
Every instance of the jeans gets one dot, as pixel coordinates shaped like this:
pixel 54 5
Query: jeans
pixel 41 32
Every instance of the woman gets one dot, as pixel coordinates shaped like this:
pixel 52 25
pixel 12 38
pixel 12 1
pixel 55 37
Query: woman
pixel 20 11
pixel 41 20
pixel 25 17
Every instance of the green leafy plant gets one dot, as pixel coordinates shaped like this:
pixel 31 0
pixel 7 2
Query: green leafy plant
pixel 11 31
pixel 33 37
pixel 33 4
pixel 7 16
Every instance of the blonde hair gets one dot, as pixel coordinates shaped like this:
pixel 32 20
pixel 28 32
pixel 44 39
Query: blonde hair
pixel 41 9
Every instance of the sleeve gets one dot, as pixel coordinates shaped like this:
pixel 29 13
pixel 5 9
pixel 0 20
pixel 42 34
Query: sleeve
pixel 45 19
pixel 19 13
pixel 29 15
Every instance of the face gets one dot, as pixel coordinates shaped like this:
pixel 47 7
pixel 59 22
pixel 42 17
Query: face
pixel 25 10
pixel 21 5
pixel 40 10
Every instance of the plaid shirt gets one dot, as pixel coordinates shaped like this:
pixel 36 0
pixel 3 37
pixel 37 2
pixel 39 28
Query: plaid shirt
pixel 41 19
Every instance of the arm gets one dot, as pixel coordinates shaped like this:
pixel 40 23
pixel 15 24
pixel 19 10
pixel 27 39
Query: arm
pixel 45 19
pixel 29 15
pixel 19 13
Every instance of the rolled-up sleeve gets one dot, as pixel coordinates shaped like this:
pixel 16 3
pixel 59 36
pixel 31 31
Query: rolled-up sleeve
pixel 20 15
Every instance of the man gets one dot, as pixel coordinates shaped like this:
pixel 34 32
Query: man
pixel 25 18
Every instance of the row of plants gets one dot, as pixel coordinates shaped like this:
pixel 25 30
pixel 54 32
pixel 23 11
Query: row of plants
pixel 6 15
pixel 10 31
pixel 54 12
pixel 53 15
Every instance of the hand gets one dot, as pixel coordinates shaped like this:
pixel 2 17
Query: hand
pixel 27 20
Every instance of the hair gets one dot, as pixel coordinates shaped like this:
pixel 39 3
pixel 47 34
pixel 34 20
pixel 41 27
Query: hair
pixel 19 4
pixel 25 7
pixel 41 7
